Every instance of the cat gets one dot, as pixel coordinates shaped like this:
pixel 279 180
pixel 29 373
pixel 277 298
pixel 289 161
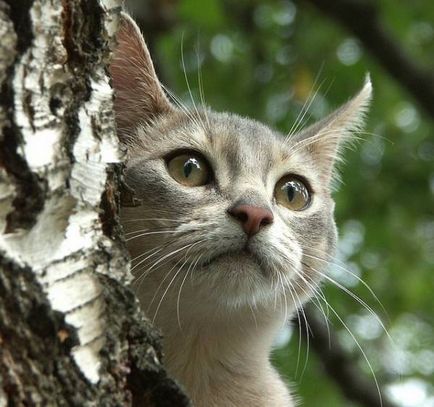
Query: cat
pixel 233 229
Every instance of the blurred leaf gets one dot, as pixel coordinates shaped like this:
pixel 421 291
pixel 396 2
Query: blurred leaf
pixel 207 14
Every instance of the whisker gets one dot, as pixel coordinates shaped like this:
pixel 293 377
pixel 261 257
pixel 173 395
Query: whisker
pixel 167 289
pixel 253 315
pixel 333 261
pixel 292 292
pixel 160 261
pixel 178 314
pixel 152 233
pixel 183 107
pixel 201 88
pixel 173 279
pixel 154 250
pixel 362 352
pixel 306 106
pixel 159 249
pixel 284 296
pixel 354 296
pixel 151 219
pixel 359 347
pixel 202 124
pixel 318 295
pixel 299 124
pixel 307 331
pixel 150 229
pixel 161 284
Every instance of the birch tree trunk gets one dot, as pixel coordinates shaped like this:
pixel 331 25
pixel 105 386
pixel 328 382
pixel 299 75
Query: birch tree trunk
pixel 71 332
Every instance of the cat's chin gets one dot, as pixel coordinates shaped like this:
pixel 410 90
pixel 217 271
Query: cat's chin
pixel 236 279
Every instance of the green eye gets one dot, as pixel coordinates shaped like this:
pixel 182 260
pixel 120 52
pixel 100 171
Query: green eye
pixel 189 169
pixel 292 193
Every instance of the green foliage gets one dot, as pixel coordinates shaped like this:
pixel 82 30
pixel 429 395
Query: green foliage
pixel 261 59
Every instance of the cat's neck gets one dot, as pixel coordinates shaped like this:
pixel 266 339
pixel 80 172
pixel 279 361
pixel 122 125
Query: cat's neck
pixel 218 353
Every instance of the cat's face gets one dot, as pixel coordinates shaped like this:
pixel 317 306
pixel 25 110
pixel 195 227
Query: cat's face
pixel 241 211
pixel 237 162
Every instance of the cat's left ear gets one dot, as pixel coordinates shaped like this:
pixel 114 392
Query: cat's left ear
pixel 139 96
pixel 324 140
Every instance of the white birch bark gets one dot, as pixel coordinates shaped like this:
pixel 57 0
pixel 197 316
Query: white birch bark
pixel 60 245
pixel 57 144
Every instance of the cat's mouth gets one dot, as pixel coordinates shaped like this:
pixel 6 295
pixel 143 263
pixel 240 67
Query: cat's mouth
pixel 244 253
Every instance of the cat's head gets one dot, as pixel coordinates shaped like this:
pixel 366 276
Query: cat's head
pixel 229 206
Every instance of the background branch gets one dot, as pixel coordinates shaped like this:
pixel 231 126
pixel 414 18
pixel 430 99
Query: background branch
pixel 361 18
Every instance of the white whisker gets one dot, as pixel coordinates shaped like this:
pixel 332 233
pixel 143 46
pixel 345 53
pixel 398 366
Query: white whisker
pixel 178 314
pixel 152 233
pixel 333 261
pixel 202 124
pixel 354 296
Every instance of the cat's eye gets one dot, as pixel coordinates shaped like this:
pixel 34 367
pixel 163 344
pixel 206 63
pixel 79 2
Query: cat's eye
pixel 189 169
pixel 292 193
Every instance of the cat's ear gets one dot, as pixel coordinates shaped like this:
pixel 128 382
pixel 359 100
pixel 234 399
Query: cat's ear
pixel 139 96
pixel 324 140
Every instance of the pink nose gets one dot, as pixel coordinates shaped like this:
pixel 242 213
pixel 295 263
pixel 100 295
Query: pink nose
pixel 252 218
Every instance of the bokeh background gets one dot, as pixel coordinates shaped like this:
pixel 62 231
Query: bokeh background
pixel 263 59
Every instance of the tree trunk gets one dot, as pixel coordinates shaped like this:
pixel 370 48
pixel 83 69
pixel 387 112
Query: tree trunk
pixel 71 332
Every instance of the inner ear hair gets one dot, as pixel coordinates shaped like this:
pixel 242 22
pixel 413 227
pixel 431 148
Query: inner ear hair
pixel 326 138
pixel 139 96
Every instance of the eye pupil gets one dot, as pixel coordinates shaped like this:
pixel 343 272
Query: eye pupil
pixel 290 192
pixel 188 168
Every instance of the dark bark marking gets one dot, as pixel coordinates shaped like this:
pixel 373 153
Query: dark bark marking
pixel 30 188
pixel 19 14
pixel 36 343
pixel 29 200
pixel 110 204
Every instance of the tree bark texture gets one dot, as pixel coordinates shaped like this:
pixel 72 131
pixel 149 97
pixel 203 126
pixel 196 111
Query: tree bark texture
pixel 71 332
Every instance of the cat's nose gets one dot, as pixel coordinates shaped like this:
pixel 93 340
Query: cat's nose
pixel 252 218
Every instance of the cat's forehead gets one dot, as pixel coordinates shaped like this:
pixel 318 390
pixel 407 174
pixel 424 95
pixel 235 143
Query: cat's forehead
pixel 243 140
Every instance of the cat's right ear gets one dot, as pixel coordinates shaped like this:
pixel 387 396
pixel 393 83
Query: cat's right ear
pixel 139 97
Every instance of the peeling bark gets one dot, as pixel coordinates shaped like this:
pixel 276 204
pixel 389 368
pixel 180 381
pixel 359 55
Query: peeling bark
pixel 71 332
